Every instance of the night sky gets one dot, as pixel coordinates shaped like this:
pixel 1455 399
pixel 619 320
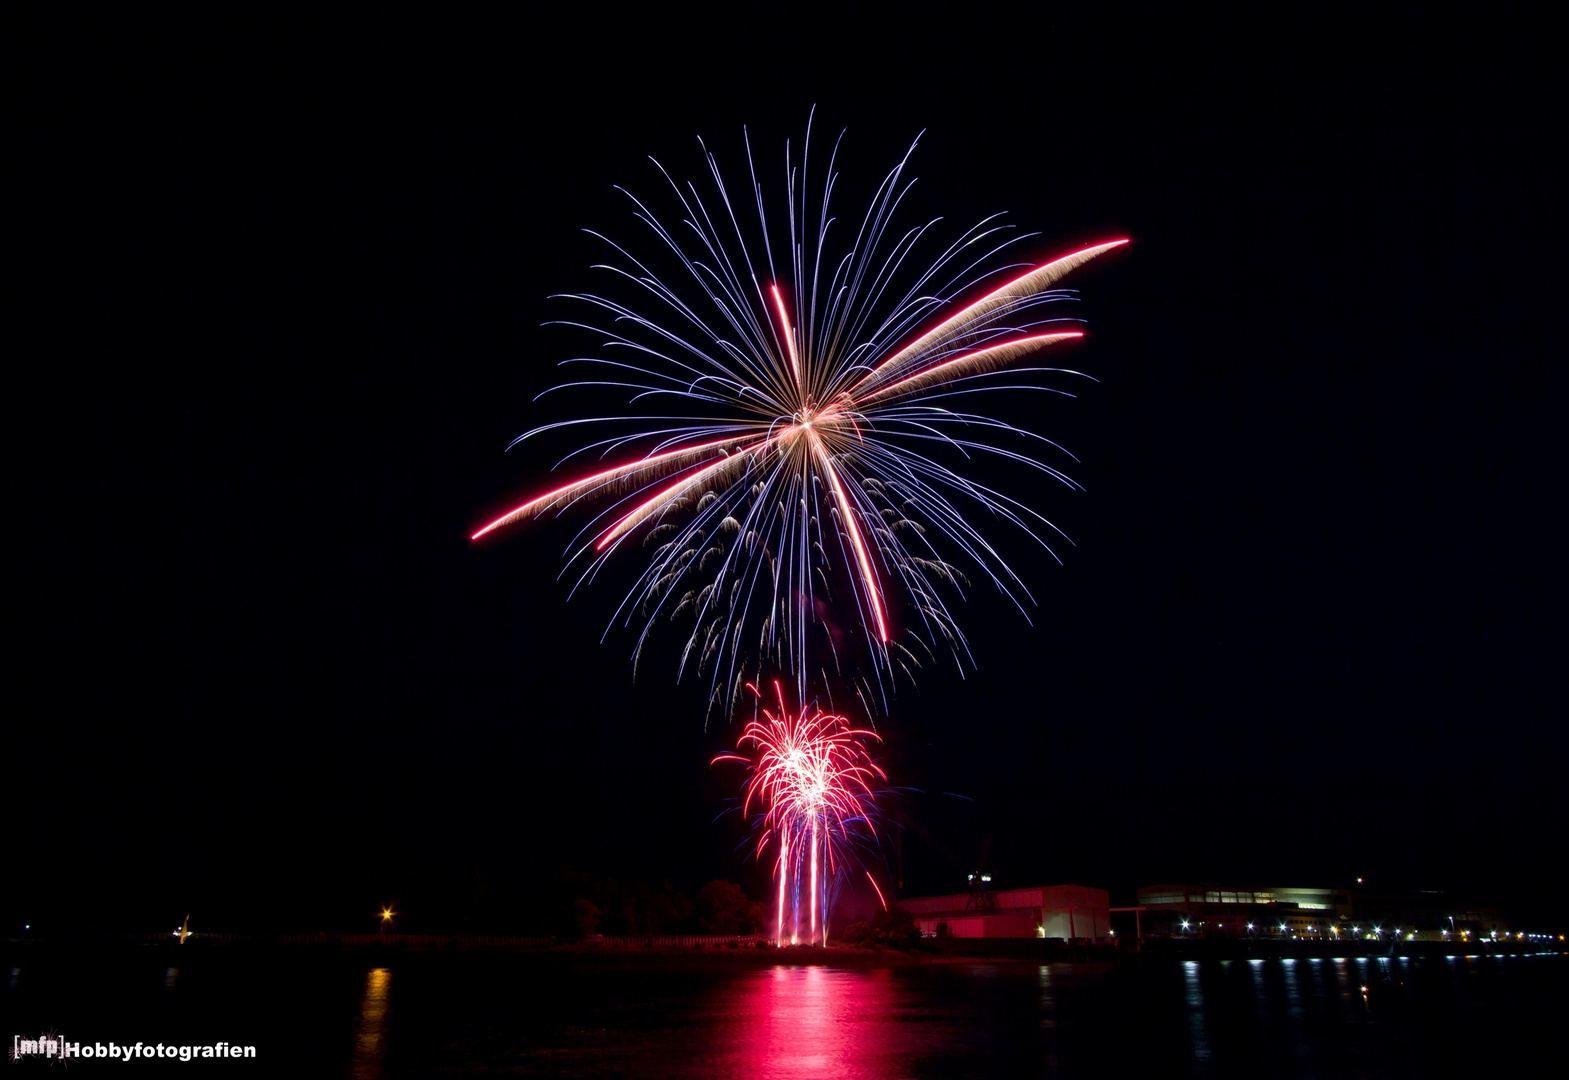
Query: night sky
pixel 277 297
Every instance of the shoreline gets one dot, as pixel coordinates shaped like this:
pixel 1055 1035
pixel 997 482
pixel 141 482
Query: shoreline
pixel 951 952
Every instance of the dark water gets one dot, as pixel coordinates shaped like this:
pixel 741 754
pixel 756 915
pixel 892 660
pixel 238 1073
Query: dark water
pixel 665 1017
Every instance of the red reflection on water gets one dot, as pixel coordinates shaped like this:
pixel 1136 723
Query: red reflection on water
pixel 816 1022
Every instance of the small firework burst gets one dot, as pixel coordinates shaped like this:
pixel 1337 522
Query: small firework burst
pixel 814 786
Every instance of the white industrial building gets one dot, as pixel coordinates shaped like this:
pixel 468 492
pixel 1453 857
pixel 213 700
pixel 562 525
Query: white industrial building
pixel 1069 912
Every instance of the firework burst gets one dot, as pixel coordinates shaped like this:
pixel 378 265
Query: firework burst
pixel 798 421
pixel 813 785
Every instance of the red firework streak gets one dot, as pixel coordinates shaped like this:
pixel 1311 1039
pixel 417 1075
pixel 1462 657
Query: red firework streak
pixel 815 419
pixel 813 780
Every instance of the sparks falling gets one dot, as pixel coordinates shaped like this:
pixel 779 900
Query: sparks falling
pixel 808 482
pixel 813 785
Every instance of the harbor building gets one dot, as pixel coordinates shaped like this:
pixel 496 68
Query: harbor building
pixel 1069 912
pixel 1310 914
pixel 1169 910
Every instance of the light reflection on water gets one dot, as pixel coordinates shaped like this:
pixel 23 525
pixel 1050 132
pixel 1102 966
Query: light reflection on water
pixel 1266 1018
pixel 1346 982
pixel 1193 995
pixel 813 1022
pixel 1260 998
pixel 1296 1014
pixel 807 1022
pixel 1048 1006
pixel 580 1017
pixel 816 1022
pixel 370 1032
